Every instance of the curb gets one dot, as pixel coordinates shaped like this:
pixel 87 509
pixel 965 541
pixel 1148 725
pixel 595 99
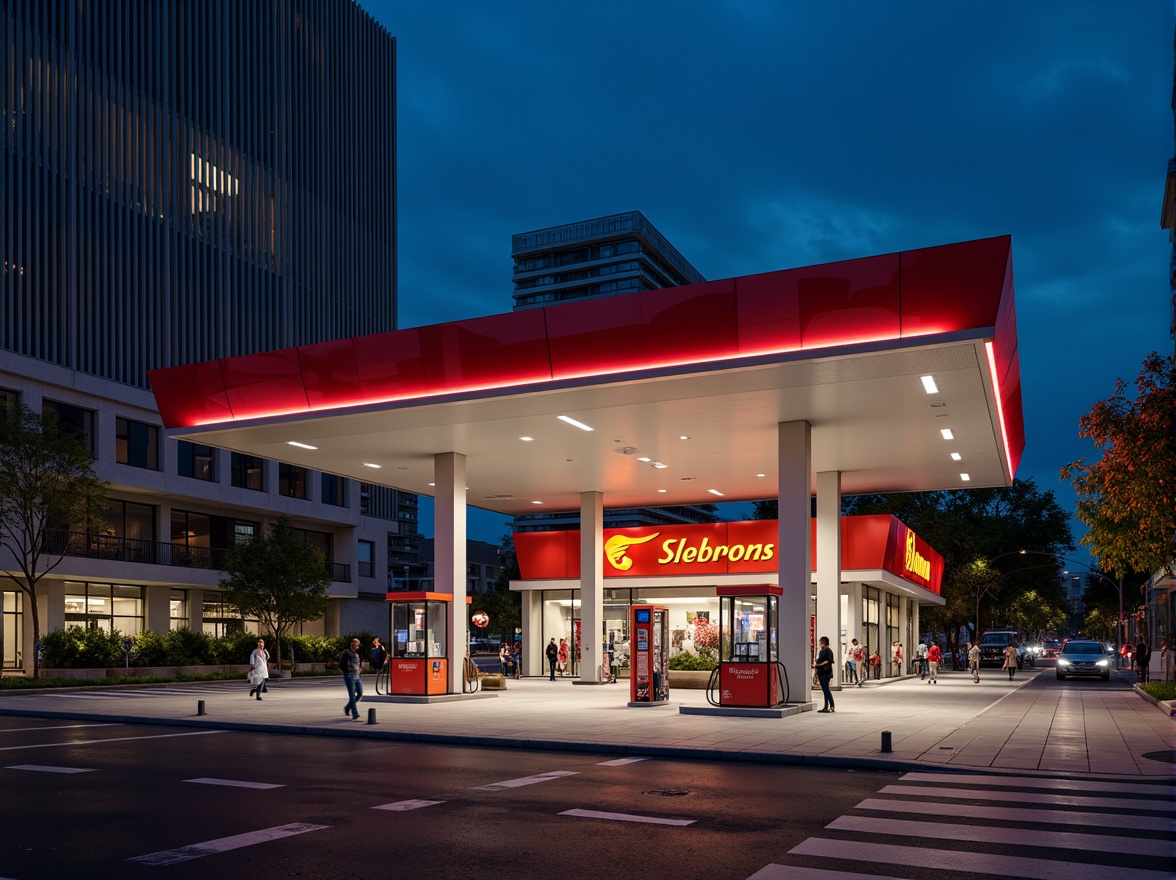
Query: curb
pixel 1168 707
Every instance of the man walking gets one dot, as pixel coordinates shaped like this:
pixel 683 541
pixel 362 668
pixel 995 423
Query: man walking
pixel 852 663
pixel 552 657
pixel 974 661
pixel 921 660
pixel 1143 660
pixel 350 664
pixel 934 656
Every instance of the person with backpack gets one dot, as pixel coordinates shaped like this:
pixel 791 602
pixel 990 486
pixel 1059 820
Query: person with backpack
pixel 349 664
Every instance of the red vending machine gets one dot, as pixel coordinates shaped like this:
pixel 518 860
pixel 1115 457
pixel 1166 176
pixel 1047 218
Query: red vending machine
pixel 649 654
pixel 749 667
pixel 419 665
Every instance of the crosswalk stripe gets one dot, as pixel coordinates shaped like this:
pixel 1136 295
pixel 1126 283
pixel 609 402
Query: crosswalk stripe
pixel 1030 797
pixel 1018 837
pixel 1019 814
pixel 224 844
pixel 788 872
pixel 619 762
pixel 626 817
pixel 403 806
pixel 234 783
pixel 92 742
pixel 526 780
pixel 1134 788
pixel 45 768
pixel 990 864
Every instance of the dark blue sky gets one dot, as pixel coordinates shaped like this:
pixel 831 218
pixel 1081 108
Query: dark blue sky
pixel 762 135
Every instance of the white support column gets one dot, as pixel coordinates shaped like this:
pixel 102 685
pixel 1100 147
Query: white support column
pixel 795 571
pixel 829 566
pixel 591 585
pixel 449 553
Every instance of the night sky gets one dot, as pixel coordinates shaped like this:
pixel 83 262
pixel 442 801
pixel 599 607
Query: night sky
pixel 767 134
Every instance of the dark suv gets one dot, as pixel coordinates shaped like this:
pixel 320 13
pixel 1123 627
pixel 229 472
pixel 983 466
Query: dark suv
pixel 993 644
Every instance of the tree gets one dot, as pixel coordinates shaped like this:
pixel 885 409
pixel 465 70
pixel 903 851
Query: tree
pixel 48 492
pixel 279 578
pixel 1128 498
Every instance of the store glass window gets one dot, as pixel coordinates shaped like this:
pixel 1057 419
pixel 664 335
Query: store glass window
pixel 247 472
pixel 178 609
pixel 136 444
pixel 292 480
pixel 222 619
pixel 893 633
pixel 108 607
pixel 13 628
pixel 195 460
pixel 367 559
pixel 871 634
pixel 72 420
pixel 334 490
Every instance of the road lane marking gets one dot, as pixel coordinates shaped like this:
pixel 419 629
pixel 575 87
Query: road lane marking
pixel 45 768
pixel 402 806
pixel 787 872
pixel 224 844
pixel 91 742
pixel 1133 788
pixel 58 727
pixel 1027 797
pixel 626 817
pixel 526 780
pixel 235 783
pixel 1070 840
pixel 1017 814
pixel 988 864
pixel 620 761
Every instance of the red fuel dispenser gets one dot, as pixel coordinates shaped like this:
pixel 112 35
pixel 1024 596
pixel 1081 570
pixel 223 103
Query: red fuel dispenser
pixel 749 673
pixel 649 680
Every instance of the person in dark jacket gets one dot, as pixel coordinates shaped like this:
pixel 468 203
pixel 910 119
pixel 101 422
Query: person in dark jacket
pixel 1143 660
pixel 824 669
pixel 349 661
pixel 552 657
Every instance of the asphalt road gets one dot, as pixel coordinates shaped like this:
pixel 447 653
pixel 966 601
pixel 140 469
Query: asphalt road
pixel 126 801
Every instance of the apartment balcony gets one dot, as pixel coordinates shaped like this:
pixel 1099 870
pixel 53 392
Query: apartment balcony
pixel 136 550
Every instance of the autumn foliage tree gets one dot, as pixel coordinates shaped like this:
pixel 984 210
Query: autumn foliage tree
pixel 1127 499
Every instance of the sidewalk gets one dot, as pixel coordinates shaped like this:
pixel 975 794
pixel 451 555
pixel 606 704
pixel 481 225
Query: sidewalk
pixel 1025 725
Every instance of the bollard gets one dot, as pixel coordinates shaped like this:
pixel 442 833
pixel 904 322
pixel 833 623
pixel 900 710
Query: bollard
pixel 886 741
pixel 200 707
pixel 371 716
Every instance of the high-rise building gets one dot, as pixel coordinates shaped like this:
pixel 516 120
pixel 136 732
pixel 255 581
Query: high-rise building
pixel 622 253
pixel 181 182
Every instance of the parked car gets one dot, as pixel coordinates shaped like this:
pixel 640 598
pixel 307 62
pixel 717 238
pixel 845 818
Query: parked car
pixel 483 646
pixel 1052 647
pixel 993 644
pixel 1084 657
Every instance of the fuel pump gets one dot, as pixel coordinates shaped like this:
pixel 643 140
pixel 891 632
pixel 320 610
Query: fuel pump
pixel 750 673
pixel 649 679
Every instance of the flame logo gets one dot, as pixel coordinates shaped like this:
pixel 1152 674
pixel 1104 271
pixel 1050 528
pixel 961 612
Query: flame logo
pixel 615 547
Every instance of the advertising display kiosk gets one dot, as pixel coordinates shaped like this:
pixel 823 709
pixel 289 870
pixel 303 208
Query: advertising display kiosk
pixel 749 673
pixel 419 662
pixel 649 679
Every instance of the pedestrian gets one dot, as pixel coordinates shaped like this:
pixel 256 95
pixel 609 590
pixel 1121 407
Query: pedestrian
pixel 934 657
pixel 350 663
pixel 896 659
pixel 921 659
pixel 876 665
pixel 824 668
pixel 516 655
pixel 506 660
pixel 1165 660
pixel 1143 660
pixel 258 669
pixel 974 661
pixel 1010 660
pixel 562 661
pixel 856 652
pixel 379 655
pixel 552 657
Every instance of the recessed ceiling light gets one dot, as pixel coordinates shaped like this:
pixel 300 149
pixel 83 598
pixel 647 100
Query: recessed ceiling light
pixel 536 502
pixel 955 456
pixel 369 464
pixel 528 439
pixel 659 465
pixel 761 475
pixel 683 437
pixel 965 477
pixel 929 384
pixel 575 424
pixel 661 490
pixel 715 492
pixel 300 445
pixel 947 434
pixel 644 458
pixel 432 484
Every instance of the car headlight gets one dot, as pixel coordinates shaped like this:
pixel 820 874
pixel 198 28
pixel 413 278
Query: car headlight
pixel 1063 662
pixel 1103 663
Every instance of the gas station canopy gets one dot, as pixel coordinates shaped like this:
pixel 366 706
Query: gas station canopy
pixel 905 365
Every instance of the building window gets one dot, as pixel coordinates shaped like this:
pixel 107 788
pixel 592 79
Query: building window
pixel 72 420
pixel 367 559
pixel 136 444
pixel 131 534
pixel 248 471
pixel 334 490
pixel 8 402
pixel 195 461
pixel 221 619
pixel 178 609
pixel 108 607
pixel 13 628
pixel 291 480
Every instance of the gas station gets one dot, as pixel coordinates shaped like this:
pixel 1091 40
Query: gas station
pixel 890 373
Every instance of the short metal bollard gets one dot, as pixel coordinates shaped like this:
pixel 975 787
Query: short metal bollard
pixel 200 707
pixel 371 716
pixel 886 741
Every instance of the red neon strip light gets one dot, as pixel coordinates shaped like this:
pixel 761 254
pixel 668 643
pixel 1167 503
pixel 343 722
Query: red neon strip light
pixel 1004 434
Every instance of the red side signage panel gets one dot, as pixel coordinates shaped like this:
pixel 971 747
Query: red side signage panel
pixel 748 684
pixel 912 559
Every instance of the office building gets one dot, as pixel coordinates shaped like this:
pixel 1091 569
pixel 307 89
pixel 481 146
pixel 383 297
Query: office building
pixel 182 182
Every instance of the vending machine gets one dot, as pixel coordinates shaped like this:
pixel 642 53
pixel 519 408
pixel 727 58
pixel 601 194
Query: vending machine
pixel 649 654
pixel 419 662
pixel 750 674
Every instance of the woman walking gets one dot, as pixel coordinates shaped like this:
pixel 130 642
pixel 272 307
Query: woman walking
pixel 1010 660
pixel 824 668
pixel 258 669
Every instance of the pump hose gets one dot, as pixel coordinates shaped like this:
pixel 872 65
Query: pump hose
pixel 710 687
pixel 782 674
